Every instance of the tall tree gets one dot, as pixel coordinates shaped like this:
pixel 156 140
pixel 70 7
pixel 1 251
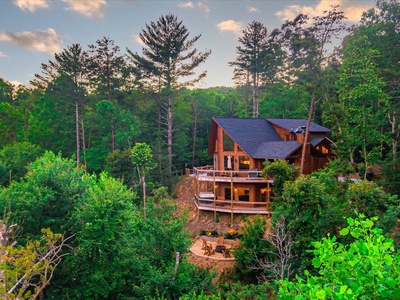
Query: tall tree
pixel 167 59
pixel 307 55
pixel 362 96
pixel 71 64
pixel 108 73
pixel 142 158
pixel 257 56
pixel 381 26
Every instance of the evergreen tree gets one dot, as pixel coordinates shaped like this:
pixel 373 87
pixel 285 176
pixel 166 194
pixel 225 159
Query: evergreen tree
pixel 258 56
pixel 108 75
pixel 167 59
pixel 71 64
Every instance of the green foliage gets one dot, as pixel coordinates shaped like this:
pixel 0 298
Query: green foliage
pixel 253 246
pixel 142 158
pixel 282 172
pixel 200 296
pixel 46 196
pixel 235 291
pixel 27 269
pixel 102 259
pixel 119 165
pixel 306 207
pixel 15 159
pixel 238 291
pixel 363 100
pixel 368 268
pixel 369 199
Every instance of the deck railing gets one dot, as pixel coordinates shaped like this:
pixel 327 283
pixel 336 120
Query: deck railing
pixel 208 173
pixel 229 206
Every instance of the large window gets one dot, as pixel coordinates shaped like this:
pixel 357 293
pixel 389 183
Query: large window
pixel 228 143
pixel 243 194
pixel 228 162
pixel 244 163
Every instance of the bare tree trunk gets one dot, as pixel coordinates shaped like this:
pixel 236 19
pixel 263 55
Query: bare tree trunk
pixel 255 96
pixel 83 133
pixel 304 150
pixel 194 131
pixel 246 94
pixel 395 135
pixel 169 134
pixel 112 135
pixel 143 179
pixel 78 147
pixel 177 257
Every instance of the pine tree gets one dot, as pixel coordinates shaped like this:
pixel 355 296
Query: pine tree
pixel 168 57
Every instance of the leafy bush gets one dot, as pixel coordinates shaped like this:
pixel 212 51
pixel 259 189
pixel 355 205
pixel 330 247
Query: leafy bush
pixel 368 268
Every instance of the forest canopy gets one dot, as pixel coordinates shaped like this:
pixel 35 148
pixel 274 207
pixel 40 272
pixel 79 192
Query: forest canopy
pixel 90 153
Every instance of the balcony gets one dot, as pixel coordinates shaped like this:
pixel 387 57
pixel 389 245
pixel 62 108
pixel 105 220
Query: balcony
pixel 234 207
pixel 208 173
pixel 211 187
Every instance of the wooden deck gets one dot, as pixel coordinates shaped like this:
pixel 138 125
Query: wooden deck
pixel 236 207
pixel 211 175
pixel 209 182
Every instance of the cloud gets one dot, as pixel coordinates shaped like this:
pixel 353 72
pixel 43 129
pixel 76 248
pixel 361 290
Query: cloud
pixel 31 5
pixel 89 8
pixel 352 9
pixel 2 54
pixel 198 6
pixel 231 25
pixel 252 9
pixel 42 40
pixel 186 5
pixel 137 39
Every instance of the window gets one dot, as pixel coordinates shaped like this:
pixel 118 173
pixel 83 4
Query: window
pixel 228 193
pixel 244 163
pixel 228 143
pixel 243 194
pixel 228 162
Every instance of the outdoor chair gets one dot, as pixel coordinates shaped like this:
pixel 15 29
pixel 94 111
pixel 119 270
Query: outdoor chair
pixel 226 252
pixel 204 244
pixel 209 250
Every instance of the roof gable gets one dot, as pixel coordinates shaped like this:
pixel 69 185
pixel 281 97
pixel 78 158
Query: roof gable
pixel 258 137
pixel 293 124
pixel 248 133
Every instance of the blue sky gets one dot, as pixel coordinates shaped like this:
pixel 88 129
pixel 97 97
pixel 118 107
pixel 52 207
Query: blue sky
pixel 31 31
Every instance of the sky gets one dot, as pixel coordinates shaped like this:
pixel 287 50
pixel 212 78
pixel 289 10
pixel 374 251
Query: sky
pixel 32 31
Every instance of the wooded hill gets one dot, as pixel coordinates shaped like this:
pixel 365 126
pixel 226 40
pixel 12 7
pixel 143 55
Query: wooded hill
pixel 91 106
pixel 89 103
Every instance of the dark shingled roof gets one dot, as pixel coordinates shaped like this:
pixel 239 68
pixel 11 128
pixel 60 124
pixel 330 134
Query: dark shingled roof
pixel 249 133
pixel 292 124
pixel 259 139
pixel 316 141
pixel 278 150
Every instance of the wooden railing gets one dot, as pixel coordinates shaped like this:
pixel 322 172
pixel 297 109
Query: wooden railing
pixel 208 173
pixel 229 206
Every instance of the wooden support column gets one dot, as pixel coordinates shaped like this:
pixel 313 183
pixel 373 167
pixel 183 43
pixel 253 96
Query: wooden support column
pixel 215 196
pixel 232 195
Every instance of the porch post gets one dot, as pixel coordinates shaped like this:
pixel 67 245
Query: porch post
pixel 215 196
pixel 268 193
pixel 232 195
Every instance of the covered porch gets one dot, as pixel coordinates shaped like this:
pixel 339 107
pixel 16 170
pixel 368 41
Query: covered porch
pixel 230 191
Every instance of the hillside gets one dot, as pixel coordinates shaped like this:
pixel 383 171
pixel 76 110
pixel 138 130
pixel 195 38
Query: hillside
pixel 184 192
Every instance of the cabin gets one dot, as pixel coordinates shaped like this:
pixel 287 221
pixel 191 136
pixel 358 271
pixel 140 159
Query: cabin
pixel 240 146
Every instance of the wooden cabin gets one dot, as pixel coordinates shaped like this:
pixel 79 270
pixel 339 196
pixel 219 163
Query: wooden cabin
pixel 239 148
